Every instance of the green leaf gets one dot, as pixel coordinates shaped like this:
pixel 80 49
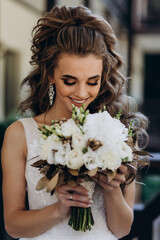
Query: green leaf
pixel 86 113
pixel 118 115
pixel 125 159
pixel 130 133
pixel 104 109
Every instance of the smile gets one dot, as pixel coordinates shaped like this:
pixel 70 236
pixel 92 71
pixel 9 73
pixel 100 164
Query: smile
pixel 78 101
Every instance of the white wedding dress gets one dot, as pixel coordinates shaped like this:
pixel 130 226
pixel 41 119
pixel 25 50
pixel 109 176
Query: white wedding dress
pixel 41 199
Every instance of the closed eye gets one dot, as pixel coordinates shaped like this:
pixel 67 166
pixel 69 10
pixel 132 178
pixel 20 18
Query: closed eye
pixel 93 81
pixel 93 84
pixel 68 82
pixel 72 83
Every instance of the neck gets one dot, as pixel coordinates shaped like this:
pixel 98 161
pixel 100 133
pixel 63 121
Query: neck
pixel 55 114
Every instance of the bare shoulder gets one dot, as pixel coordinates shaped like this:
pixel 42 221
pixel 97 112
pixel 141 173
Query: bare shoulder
pixel 15 129
pixel 13 165
pixel 14 138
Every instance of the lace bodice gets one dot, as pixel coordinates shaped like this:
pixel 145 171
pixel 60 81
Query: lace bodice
pixel 40 199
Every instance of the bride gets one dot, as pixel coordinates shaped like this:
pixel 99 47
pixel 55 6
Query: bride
pixel 74 62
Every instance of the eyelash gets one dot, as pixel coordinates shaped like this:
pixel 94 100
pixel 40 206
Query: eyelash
pixel 70 84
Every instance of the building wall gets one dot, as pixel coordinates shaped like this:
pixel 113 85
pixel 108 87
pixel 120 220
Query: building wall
pixel 143 43
pixel 69 2
pixel 16 24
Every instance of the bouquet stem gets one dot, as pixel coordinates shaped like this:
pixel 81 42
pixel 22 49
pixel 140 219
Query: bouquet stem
pixel 81 219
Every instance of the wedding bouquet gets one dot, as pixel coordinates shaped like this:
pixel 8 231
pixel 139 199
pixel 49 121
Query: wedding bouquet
pixel 79 147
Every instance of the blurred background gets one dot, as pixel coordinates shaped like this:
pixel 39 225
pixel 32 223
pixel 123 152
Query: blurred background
pixel 137 26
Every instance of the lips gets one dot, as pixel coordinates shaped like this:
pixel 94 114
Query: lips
pixel 78 102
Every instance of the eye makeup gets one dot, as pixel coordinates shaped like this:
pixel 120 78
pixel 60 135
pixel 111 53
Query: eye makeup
pixel 68 83
pixel 72 83
pixel 94 83
pixel 70 80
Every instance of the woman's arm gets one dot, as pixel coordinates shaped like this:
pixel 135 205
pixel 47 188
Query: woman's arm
pixel 18 221
pixel 119 206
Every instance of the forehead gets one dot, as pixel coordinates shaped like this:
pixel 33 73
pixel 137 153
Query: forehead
pixel 70 63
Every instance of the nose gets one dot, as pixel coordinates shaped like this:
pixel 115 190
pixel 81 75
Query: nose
pixel 81 92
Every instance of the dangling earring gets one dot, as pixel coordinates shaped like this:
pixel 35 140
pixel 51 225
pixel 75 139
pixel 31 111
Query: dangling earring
pixel 51 93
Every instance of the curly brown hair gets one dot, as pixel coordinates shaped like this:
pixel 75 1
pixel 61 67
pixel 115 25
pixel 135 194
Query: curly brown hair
pixel 77 30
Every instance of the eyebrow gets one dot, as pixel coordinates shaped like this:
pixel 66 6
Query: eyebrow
pixel 72 77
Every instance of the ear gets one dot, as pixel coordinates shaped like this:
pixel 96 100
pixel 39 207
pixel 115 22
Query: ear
pixel 51 79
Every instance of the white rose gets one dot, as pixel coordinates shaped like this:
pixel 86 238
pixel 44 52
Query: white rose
pixel 90 159
pixel 69 128
pixel 74 159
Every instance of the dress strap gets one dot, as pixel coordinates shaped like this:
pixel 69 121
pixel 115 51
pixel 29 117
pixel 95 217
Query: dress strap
pixel 31 132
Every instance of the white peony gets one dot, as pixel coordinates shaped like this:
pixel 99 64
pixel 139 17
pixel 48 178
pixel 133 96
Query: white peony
pixel 125 151
pixel 74 159
pixel 101 126
pixel 110 159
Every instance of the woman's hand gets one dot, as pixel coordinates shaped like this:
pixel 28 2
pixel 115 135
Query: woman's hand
pixel 72 197
pixel 119 178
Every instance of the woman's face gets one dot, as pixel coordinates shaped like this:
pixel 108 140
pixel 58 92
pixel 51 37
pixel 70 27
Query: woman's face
pixel 77 81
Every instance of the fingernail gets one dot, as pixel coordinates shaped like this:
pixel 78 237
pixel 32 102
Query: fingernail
pixel 89 205
pixel 91 201
pixel 81 180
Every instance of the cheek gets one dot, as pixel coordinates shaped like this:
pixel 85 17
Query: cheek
pixel 62 90
pixel 95 91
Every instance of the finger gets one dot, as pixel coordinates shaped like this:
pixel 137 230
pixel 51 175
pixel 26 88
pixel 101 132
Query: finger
pixel 105 186
pixel 78 204
pixel 113 183
pixel 72 202
pixel 108 186
pixel 78 189
pixel 120 178
pixel 78 197
pixel 123 169
pixel 80 180
pixel 101 177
